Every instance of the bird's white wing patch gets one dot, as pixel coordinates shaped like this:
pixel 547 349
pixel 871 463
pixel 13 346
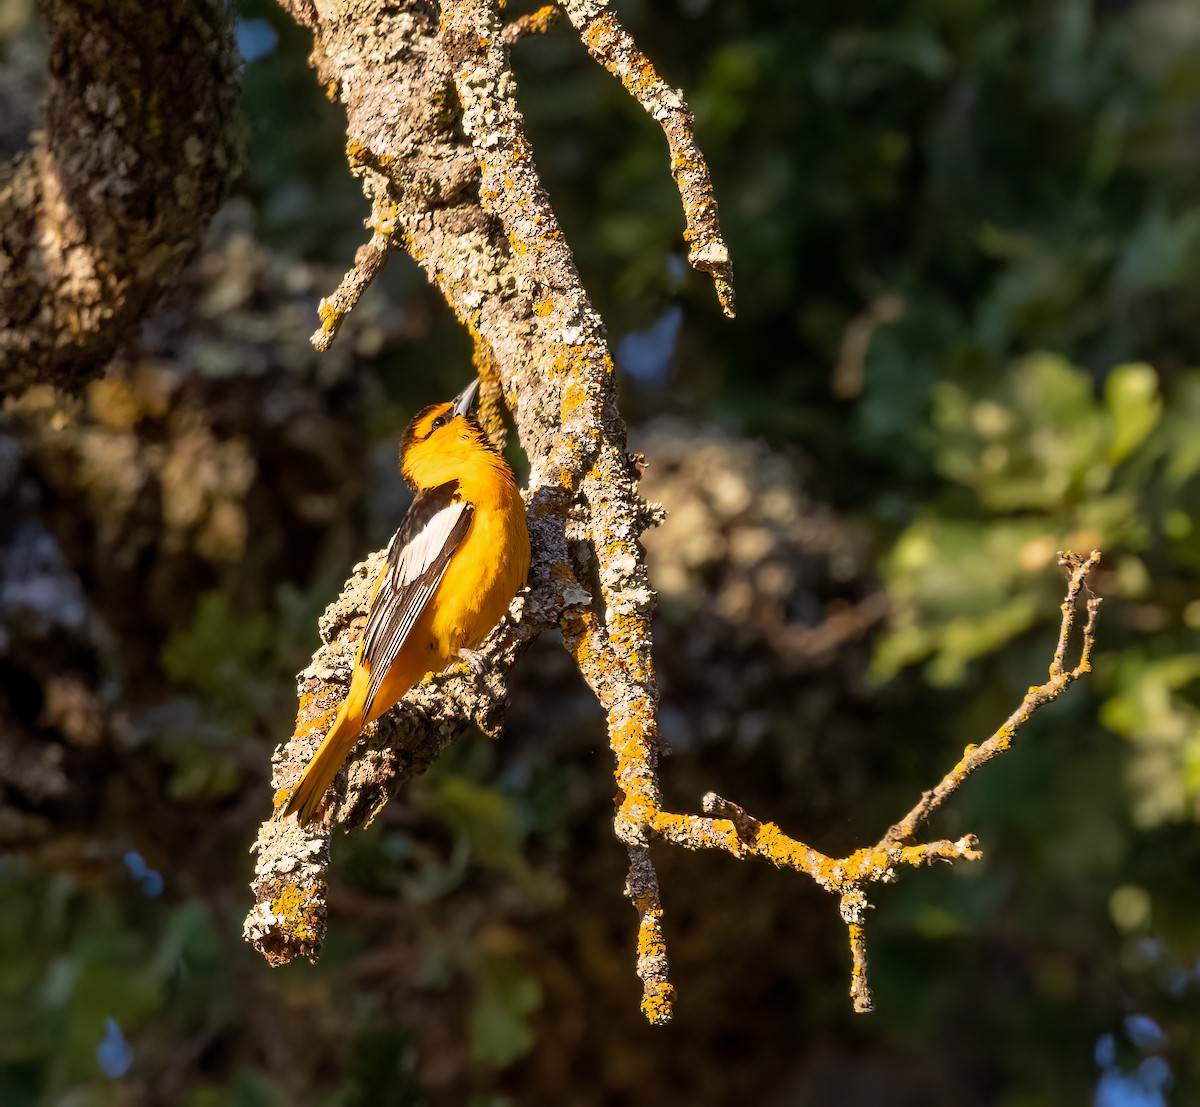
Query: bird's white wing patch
pixel 421 551
pixel 418 557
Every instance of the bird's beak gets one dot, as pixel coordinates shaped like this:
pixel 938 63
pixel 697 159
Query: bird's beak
pixel 465 400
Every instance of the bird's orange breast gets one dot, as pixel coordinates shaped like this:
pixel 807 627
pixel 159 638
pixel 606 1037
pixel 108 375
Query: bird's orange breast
pixel 487 570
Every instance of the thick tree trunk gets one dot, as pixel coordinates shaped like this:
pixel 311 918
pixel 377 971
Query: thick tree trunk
pixel 136 153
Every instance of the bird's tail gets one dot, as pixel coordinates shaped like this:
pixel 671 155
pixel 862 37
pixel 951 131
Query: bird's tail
pixel 306 796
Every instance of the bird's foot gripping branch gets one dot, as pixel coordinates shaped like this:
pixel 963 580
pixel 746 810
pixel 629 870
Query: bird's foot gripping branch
pixel 436 137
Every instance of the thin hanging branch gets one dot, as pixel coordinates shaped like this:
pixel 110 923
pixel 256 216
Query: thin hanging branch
pixel 613 47
pixel 435 134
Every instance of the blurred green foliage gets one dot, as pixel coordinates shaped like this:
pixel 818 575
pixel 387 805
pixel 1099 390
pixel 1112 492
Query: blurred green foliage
pixel 1049 464
pixel 1019 184
pixel 219 657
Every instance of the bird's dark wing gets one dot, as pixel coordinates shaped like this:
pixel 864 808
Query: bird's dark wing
pixel 417 558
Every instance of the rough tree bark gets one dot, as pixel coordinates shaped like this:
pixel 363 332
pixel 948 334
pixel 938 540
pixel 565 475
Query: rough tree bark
pixel 136 154
pixel 437 139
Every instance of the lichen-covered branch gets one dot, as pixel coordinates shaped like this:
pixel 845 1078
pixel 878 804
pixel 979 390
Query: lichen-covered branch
pixel 1079 569
pixel 854 905
pixel 658 994
pixel 137 151
pixel 288 919
pixel 727 827
pixel 611 45
pixel 435 134
pixel 368 261
pixel 536 22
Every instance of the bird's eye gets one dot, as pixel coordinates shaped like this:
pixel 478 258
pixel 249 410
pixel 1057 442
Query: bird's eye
pixel 440 421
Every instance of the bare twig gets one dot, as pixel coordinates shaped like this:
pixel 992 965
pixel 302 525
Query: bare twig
pixel 1079 569
pixel 850 369
pixel 841 626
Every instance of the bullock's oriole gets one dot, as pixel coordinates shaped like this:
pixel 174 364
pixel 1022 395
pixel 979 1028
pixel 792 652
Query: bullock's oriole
pixel 453 567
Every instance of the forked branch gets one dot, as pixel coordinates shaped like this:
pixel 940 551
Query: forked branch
pixel 438 140
pixel 727 827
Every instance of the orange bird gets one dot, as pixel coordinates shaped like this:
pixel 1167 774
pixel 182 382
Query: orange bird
pixel 453 567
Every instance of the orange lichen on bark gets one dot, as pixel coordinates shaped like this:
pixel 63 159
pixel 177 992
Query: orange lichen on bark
pixel 860 988
pixel 531 23
pixel 312 717
pixel 295 911
pixel 368 261
pixel 658 1001
pixel 658 994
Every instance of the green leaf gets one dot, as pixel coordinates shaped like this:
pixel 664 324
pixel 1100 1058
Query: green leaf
pixel 1134 406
